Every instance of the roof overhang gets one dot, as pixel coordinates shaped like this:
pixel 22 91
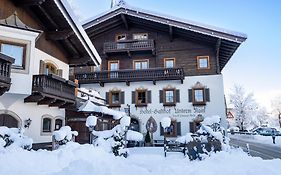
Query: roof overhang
pixel 225 41
pixel 61 25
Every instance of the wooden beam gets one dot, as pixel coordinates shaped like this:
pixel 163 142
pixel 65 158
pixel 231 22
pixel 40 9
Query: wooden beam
pixel 46 101
pixel 171 33
pixel 57 103
pixel 48 16
pixel 218 45
pixel 28 2
pixel 59 35
pixel 125 21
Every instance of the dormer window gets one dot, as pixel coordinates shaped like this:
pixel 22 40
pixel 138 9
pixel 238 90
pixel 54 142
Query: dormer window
pixel 16 51
pixel 140 36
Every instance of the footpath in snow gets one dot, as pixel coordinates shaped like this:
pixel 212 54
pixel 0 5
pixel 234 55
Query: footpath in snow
pixel 75 159
pixel 258 139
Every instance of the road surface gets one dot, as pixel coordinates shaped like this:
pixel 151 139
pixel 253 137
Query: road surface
pixel 257 149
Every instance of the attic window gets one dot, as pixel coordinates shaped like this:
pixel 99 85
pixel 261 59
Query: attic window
pixel 203 62
pixel 140 36
pixel 120 37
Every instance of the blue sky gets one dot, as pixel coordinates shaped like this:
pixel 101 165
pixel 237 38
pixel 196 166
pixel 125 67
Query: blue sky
pixel 257 63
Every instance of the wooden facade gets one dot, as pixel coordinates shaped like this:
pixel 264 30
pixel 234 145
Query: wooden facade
pixel 5 72
pixel 160 38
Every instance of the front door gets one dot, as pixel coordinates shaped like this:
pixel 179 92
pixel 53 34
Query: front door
pixel 8 120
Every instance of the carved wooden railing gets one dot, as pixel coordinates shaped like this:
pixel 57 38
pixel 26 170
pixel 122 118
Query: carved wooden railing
pixel 154 74
pixel 5 72
pixel 129 45
pixel 54 86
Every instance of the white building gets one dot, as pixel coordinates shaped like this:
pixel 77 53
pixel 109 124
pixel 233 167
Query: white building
pixel 36 88
pixel 156 66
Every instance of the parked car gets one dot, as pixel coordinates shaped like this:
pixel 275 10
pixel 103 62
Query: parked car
pixel 233 130
pixel 266 131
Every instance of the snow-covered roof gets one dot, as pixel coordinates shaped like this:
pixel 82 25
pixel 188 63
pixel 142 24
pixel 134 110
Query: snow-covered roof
pixel 124 8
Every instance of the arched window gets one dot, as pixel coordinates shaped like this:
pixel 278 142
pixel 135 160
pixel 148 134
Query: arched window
pixel 51 69
pixel 47 125
pixel 58 124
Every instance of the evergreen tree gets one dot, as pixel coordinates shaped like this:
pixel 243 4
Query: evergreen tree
pixel 147 137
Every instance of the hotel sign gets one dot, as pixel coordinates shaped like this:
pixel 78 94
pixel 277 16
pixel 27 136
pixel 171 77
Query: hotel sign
pixel 175 112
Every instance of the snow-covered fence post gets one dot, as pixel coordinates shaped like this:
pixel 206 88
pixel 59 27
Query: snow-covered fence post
pixel 248 149
pixel 91 122
pixel 166 123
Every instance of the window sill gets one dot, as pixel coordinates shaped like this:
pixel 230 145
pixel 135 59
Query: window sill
pixel 199 104
pixel 114 105
pixel 141 105
pixel 169 104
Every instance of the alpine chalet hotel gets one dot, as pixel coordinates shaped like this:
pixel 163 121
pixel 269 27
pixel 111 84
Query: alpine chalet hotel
pixel 38 41
pixel 155 66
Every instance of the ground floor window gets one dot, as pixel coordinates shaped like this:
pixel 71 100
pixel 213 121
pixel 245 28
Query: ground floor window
pixel 47 125
pixel 58 124
pixel 173 131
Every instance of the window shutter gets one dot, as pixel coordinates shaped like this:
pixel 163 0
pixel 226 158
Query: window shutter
pixel 161 96
pixel 107 97
pixel 122 97
pixel 42 68
pixel 178 128
pixel 161 130
pixel 189 95
pixel 133 97
pixel 148 96
pixel 177 95
pixel 207 93
pixel 60 72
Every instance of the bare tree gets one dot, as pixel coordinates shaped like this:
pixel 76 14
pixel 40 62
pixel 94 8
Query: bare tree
pixel 276 106
pixel 244 105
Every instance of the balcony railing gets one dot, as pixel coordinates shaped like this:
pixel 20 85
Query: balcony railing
pixel 129 45
pixel 52 90
pixel 5 72
pixel 155 74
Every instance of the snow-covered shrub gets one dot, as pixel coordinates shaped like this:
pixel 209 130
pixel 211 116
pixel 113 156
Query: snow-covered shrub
pixel 115 140
pixel 207 139
pixel 14 137
pixel 63 136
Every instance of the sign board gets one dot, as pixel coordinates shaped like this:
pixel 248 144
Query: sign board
pixel 151 125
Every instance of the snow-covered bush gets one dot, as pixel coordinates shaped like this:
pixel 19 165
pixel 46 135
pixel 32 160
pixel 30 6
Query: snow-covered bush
pixel 207 139
pixel 115 140
pixel 64 135
pixel 14 137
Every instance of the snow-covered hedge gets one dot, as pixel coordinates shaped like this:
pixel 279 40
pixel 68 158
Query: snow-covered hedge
pixel 64 135
pixel 14 137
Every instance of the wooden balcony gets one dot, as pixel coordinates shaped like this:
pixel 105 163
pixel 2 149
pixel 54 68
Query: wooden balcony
pixel 52 90
pixel 155 74
pixel 5 72
pixel 129 46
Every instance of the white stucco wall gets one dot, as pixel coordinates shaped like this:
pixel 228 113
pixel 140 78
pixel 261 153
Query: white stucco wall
pixel 15 103
pixel 21 86
pixel 216 106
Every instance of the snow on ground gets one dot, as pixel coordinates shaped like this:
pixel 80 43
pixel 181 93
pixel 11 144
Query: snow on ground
pixel 75 159
pixel 258 139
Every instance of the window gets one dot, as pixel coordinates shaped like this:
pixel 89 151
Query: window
pixel 115 98
pixel 203 62
pixel 169 62
pixel 140 36
pixel 173 131
pixel 199 96
pixel 140 64
pixel 51 69
pixel 141 98
pixel 120 37
pixel 113 66
pixel 169 96
pixel 16 51
pixel 47 123
pixel 58 124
